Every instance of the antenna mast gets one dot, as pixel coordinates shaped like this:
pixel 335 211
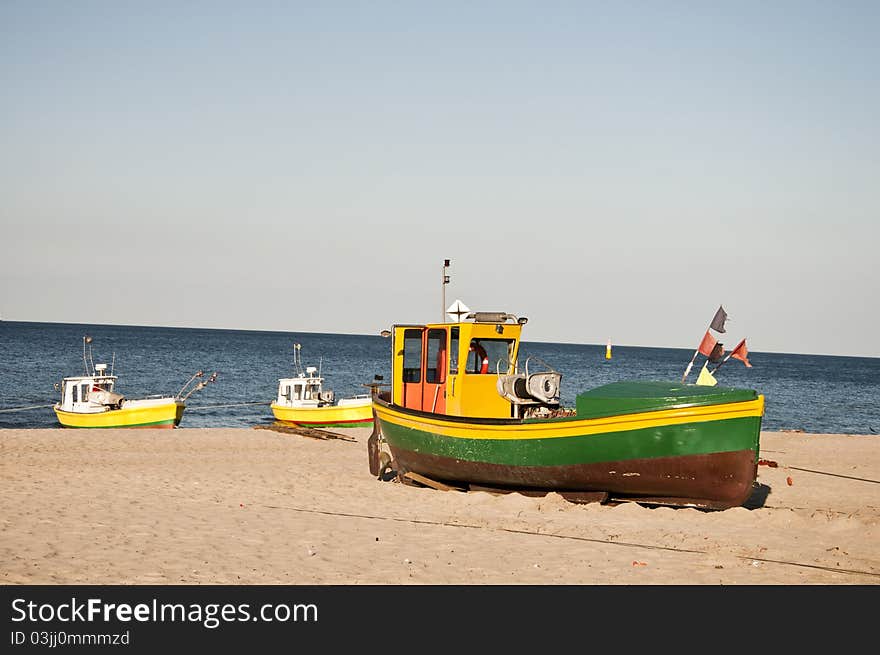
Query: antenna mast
pixel 87 340
pixel 445 281
pixel 297 360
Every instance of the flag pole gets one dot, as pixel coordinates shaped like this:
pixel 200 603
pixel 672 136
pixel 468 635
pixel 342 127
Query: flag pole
pixel 721 363
pixel 720 318
pixel 690 365
pixel 729 355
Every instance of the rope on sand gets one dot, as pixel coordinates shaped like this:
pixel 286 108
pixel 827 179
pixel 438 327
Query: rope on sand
pixel 576 538
pixel 836 475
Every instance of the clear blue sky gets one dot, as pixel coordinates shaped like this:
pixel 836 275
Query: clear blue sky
pixel 606 169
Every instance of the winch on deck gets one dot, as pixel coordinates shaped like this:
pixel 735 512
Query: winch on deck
pixel 524 389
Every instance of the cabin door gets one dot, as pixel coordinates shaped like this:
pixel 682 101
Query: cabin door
pixel 413 341
pixel 425 356
pixel 76 396
pixel 434 389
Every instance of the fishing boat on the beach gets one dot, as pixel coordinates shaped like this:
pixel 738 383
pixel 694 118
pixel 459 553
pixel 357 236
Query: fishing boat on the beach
pixel 461 411
pixel 92 401
pixel 302 400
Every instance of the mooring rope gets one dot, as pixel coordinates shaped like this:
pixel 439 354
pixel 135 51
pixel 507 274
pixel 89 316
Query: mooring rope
pixel 190 409
pixel 573 537
pixel 21 409
pixel 256 402
pixel 836 475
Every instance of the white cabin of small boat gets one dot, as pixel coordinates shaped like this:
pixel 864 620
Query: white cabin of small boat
pixel 303 390
pixel 90 393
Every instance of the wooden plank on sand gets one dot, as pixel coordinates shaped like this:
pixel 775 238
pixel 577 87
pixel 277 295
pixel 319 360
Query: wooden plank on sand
pixel 314 433
pixel 428 482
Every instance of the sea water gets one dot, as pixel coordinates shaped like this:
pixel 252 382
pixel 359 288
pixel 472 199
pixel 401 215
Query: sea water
pixel 813 393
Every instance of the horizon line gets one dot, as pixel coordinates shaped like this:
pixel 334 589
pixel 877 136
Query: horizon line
pixel 360 334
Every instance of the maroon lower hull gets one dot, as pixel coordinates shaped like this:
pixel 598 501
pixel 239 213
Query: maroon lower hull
pixel 713 481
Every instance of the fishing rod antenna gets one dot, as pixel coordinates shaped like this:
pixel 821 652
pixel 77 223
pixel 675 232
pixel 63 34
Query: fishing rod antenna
pixel 88 340
pixel 201 385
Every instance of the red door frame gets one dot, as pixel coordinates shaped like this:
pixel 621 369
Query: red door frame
pixel 424 394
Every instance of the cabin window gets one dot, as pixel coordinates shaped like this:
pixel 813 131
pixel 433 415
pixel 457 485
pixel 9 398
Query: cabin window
pixel 435 368
pixel 412 356
pixel 286 393
pixel 84 392
pixel 453 351
pixel 75 394
pixel 298 394
pixel 498 352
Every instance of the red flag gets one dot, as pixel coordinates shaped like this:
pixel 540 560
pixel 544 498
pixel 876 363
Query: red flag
pixel 707 344
pixel 741 353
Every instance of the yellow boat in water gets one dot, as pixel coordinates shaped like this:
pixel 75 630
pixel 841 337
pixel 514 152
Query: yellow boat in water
pixel 91 401
pixel 142 413
pixel 302 400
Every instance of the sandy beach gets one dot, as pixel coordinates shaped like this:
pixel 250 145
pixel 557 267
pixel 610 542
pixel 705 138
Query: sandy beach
pixel 255 506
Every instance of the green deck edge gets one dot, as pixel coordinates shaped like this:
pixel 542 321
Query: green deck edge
pixel 630 397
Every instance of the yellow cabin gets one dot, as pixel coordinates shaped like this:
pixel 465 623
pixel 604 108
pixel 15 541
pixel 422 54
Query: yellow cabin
pixel 454 368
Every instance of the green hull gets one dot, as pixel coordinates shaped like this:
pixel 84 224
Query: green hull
pixel 656 441
pixel 670 441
